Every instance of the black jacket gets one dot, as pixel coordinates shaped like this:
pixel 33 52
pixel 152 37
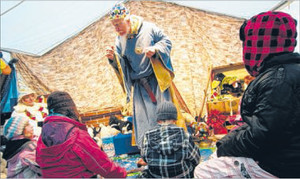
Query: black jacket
pixel 271 110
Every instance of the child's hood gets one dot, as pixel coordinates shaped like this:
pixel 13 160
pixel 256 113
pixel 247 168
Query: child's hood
pixel 168 140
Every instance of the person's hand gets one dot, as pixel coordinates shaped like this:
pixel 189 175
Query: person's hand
pixel 141 162
pixel 135 170
pixel 110 52
pixel 149 51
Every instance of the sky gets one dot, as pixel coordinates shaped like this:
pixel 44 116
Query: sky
pixel 35 26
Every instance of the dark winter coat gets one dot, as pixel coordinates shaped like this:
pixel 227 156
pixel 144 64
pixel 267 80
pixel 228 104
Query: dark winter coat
pixel 271 110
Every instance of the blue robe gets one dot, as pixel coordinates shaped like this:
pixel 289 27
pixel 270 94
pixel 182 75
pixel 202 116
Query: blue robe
pixel 133 66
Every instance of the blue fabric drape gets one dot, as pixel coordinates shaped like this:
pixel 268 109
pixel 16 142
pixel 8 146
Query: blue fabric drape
pixel 9 92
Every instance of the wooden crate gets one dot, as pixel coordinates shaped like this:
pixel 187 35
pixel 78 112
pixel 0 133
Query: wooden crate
pixel 102 116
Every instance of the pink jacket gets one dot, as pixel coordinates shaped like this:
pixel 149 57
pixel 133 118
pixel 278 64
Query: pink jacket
pixel 66 150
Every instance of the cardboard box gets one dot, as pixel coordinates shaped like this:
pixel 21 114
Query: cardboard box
pixel 122 144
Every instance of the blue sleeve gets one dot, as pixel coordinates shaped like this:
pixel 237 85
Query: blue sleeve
pixel 163 44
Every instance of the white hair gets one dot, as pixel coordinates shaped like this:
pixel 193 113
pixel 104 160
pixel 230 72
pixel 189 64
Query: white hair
pixel 123 40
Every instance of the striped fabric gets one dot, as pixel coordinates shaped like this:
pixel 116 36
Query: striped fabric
pixel 14 126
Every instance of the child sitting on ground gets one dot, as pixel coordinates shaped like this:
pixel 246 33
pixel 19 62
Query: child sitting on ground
pixel 20 149
pixel 167 149
pixel 65 149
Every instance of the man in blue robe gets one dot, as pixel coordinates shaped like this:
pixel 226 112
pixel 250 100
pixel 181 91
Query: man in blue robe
pixel 141 59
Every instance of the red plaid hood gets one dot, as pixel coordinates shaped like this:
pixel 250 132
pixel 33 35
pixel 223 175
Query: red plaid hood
pixel 264 35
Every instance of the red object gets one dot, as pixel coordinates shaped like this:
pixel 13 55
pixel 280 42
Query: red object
pixel 214 95
pixel 29 115
pixel 44 115
pixel 144 83
pixel 220 130
pixel 151 95
pixel 40 99
pixel 216 120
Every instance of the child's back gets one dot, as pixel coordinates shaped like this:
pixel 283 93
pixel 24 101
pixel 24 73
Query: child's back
pixel 167 149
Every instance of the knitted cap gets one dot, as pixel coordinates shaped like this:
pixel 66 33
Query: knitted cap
pixel 166 111
pixel 14 126
pixel 58 101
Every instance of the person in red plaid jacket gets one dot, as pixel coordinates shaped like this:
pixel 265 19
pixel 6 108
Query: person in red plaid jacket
pixel 268 144
pixel 167 149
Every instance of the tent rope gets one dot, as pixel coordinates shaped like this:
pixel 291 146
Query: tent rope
pixel 12 8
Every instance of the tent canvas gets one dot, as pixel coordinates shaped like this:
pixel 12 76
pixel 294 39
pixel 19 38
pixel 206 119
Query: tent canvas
pixel 75 62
